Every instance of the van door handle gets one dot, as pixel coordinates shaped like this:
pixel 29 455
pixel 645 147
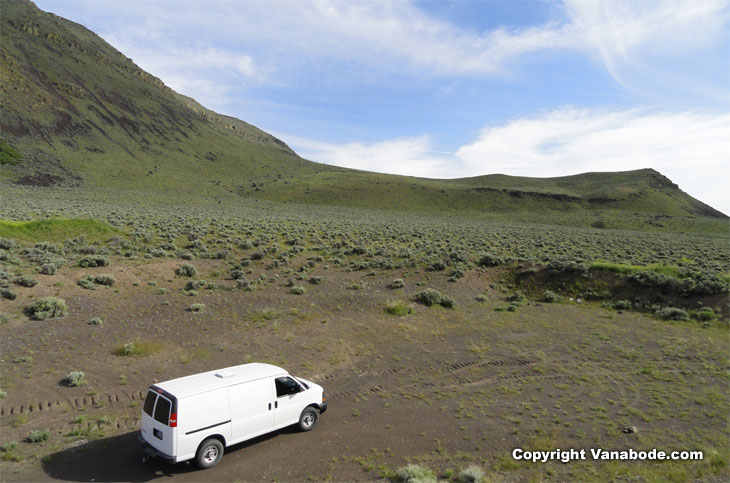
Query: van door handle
pixel 276 404
pixel 269 406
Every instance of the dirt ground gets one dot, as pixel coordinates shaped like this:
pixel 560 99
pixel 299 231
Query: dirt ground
pixel 443 388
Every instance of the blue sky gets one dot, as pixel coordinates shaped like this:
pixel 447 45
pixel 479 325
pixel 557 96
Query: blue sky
pixel 453 88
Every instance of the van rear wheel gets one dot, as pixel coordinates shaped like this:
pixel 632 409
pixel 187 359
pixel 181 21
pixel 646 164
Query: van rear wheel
pixel 308 419
pixel 209 453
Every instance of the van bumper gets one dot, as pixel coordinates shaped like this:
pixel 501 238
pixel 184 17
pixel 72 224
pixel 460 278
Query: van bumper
pixel 152 451
pixel 323 407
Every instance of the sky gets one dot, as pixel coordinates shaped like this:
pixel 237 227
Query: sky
pixel 448 89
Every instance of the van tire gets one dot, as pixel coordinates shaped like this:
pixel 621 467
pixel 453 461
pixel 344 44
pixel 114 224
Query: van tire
pixel 209 453
pixel 308 419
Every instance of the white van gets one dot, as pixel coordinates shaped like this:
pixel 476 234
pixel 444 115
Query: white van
pixel 197 416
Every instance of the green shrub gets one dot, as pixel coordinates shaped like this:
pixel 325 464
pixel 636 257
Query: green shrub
pixel 237 274
pixel 481 298
pixel 415 474
pixel 455 276
pixel 47 307
pixel 195 284
pixel 591 294
pixel 9 446
pixel 49 269
pixel 245 284
pixel 399 308
pixel 196 307
pixel 8 244
pixel 25 281
pixel 87 282
pixel 567 266
pixel 550 297
pixel 10 456
pixel 39 436
pixel 129 349
pixel 9 294
pixel 622 305
pixel 648 278
pixel 429 297
pixel 446 301
pixel 397 283
pixel 516 298
pixel 438 266
pixel 105 279
pixel 298 290
pixel 706 313
pixel 9 154
pixel 472 474
pixel 96 321
pixel 138 349
pixel 700 282
pixel 186 270
pixel 672 313
pixel 491 260
pixel 93 261
pixel 75 379
pixel 3 394
pixel 315 280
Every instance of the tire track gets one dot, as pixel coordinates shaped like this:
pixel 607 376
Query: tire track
pixel 448 370
pixel 456 369
pixel 75 404
pixel 123 397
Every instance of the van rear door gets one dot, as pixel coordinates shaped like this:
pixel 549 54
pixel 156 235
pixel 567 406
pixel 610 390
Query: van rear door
pixel 159 421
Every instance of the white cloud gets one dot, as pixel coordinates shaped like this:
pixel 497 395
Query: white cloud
pixel 387 34
pixel 623 29
pixel 691 148
pixel 288 39
pixel 410 156
pixel 628 34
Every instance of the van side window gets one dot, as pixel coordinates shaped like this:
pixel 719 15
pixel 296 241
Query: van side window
pixel 162 410
pixel 286 386
pixel 149 402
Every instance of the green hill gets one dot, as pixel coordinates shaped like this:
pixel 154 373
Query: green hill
pixel 82 113
pixel 78 113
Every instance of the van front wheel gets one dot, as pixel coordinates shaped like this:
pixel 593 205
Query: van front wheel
pixel 209 453
pixel 308 419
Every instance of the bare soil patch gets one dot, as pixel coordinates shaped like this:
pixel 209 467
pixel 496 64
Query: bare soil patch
pixel 445 388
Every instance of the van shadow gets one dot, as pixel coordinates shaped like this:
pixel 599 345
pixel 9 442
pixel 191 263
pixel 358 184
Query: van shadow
pixel 119 458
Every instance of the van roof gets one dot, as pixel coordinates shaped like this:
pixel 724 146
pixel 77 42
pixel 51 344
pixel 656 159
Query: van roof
pixel 211 380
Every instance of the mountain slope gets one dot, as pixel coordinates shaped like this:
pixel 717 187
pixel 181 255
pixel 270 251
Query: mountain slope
pixel 82 114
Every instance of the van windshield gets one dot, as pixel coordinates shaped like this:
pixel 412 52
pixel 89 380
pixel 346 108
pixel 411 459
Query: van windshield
pixel 306 386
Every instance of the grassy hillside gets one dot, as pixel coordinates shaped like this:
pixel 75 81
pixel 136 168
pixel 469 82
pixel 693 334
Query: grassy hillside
pixel 78 113
pixel 641 199
pixel 82 113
